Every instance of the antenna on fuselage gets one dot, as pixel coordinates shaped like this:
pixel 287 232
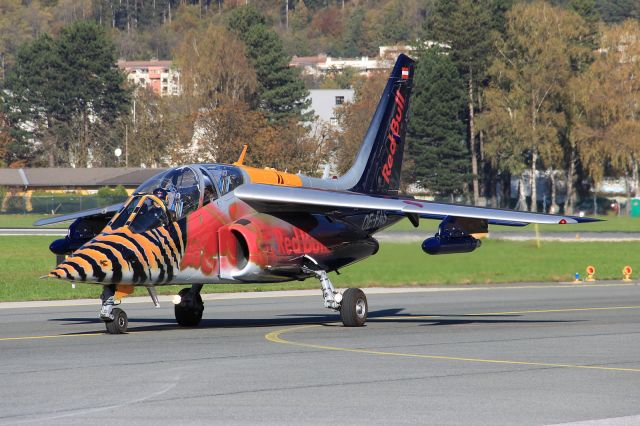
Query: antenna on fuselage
pixel 242 155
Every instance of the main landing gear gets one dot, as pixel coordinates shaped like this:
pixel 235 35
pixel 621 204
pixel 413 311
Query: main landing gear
pixel 352 304
pixel 188 306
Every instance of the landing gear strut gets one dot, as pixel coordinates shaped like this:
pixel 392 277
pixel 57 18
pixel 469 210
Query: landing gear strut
pixel 352 304
pixel 189 308
pixel 115 319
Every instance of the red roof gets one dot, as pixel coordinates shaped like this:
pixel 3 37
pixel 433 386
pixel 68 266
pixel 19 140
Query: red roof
pixel 143 64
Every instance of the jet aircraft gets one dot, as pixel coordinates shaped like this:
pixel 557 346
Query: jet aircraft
pixel 216 223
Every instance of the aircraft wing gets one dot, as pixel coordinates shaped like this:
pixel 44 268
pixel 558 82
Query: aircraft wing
pixel 101 211
pixel 292 199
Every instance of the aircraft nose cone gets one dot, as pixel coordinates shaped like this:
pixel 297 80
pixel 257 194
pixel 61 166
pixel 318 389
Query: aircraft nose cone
pixel 66 271
pixel 80 267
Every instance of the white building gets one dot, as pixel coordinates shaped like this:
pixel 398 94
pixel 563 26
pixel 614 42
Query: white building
pixel 159 76
pixel 325 101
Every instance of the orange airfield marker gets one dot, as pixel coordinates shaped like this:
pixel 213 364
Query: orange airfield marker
pixel 626 273
pixel 591 272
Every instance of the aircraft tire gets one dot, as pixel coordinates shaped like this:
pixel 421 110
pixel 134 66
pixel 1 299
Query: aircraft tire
pixel 119 324
pixel 354 308
pixel 188 316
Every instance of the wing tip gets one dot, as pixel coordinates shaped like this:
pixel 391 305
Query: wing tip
pixel 587 219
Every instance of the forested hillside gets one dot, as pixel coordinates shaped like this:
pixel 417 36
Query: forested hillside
pixel 515 88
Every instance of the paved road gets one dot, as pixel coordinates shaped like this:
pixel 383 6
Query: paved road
pixel 536 354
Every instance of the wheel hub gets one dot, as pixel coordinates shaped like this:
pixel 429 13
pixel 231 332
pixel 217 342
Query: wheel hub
pixel 361 308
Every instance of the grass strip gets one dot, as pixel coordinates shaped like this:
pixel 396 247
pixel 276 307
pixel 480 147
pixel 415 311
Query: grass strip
pixel 24 259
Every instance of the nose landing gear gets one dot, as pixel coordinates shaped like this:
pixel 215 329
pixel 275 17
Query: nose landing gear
pixel 115 319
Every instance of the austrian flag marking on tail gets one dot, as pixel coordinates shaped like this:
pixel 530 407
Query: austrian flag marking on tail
pixel 405 72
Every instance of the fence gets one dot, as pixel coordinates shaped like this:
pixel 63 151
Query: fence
pixel 54 204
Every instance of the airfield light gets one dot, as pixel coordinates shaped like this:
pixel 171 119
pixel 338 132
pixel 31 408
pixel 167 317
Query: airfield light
pixel 626 273
pixel 577 278
pixel 176 299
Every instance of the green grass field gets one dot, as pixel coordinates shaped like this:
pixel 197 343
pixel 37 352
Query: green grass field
pixel 610 224
pixel 24 259
pixel 26 221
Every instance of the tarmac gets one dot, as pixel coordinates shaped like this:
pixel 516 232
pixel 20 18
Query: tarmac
pixel 525 354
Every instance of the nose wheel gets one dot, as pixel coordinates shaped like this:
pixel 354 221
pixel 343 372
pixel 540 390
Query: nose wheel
pixel 119 323
pixel 115 319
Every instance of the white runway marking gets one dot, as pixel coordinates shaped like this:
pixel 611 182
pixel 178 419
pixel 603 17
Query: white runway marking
pixel 613 421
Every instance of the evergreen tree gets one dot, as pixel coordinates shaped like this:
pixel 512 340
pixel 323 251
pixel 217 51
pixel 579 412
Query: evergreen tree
pixel 587 10
pixel 436 133
pixel 34 96
pixel 67 86
pixel 466 27
pixel 395 24
pixel 618 10
pixel 354 34
pixel 281 91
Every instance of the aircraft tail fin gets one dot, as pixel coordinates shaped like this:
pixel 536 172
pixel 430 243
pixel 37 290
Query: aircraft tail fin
pixel 377 166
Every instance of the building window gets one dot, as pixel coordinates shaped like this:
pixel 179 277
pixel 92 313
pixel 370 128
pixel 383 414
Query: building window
pixel 333 121
pixel 339 100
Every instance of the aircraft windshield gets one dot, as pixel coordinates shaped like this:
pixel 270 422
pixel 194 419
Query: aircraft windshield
pixel 141 214
pixel 186 188
pixel 124 213
pixel 227 178
pixel 149 216
pixel 182 189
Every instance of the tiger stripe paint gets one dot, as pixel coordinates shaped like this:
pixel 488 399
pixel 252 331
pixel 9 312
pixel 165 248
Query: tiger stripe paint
pixel 123 257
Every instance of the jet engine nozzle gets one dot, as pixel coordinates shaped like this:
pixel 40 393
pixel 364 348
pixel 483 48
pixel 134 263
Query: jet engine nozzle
pixel 447 245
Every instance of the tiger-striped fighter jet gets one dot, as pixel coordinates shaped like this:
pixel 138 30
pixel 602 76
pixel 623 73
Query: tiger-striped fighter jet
pixel 215 223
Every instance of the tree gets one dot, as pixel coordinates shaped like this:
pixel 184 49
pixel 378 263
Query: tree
pixel 395 23
pixel 354 118
pixel 92 87
pixel 213 66
pixel 529 78
pixel 465 26
pixel 618 10
pixel 62 88
pixel 20 22
pixel 150 133
pixel 608 104
pixel 34 100
pixel 436 134
pixel 225 129
pixel 281 92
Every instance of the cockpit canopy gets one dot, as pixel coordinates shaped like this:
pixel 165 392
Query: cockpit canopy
pixel 178 192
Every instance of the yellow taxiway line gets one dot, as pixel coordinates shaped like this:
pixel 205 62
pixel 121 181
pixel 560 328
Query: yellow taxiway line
pixel 276 337
pixel 54 336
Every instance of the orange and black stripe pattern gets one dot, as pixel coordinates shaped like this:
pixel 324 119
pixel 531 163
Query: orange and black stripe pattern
pixel 121 256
